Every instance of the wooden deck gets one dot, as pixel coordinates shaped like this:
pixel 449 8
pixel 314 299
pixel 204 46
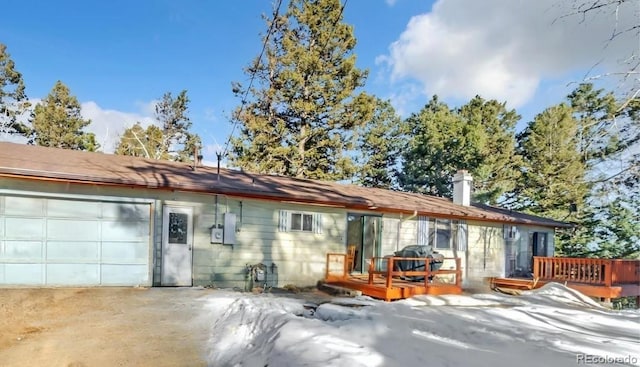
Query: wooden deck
pixel 601 278
pixel 383 282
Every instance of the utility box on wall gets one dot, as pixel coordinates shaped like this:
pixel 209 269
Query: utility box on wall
pixel 229 235
pixel 217 234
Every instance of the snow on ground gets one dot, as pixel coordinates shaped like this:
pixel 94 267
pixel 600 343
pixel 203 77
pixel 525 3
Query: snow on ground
pixel 551 326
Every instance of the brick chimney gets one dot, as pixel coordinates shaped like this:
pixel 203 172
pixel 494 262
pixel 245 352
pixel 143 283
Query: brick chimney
pixel 462 188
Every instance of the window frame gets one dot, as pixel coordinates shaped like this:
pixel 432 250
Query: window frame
pixel 302 222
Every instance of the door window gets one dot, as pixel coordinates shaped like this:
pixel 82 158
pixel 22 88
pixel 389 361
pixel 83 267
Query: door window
pixel 178 226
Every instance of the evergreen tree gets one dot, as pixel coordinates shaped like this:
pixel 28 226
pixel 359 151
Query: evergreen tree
pixel 553 172
pixel 478 137
pixel 379 147
pixel 608 135
pixel 553 180
pixel 493 133
pixel 439 144
pixel 619 230
pixel 13 100
pixel 57 122
pixel 170 140
pixel 301 114
pixel 140 142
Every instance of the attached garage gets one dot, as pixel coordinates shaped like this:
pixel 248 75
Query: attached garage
pixel 74 241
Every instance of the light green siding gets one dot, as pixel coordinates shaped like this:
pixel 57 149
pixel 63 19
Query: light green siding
pixel 299 257
pixel 398 231
pixel 485 252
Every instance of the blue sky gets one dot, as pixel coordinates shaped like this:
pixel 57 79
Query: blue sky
pixel 119 56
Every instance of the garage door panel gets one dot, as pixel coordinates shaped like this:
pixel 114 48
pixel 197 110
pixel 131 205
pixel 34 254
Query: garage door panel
pixel 21 251
pixel 24 228
pixel 73 274
pixel 61 229
pixel 126 212
pixel 61 241
pixel 125 274
pixel 73 209
pixel 24 206
pixel 73 251
pixel 125 252
pixel 24 274
pixel 124 231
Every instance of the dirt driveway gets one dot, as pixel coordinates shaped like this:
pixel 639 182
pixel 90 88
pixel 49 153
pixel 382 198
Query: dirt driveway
pixel 103 327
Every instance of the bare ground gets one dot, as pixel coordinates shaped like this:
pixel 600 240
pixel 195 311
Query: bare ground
pixel 103 327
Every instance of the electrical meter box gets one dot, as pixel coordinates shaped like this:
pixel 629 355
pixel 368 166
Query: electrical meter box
pixel 217 234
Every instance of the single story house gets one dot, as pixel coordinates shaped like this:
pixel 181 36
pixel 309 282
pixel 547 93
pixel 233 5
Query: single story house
pixel 70 218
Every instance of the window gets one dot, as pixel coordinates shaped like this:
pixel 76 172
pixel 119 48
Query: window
pixel 291 221
pixel 178 223
pixel 301 222
pixel 441 234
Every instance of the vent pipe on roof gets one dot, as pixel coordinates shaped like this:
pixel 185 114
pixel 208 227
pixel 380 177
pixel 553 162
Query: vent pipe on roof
pixel 462 188
pixel 219 156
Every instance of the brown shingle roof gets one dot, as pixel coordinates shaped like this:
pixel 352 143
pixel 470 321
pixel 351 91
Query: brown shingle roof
pixel 18 160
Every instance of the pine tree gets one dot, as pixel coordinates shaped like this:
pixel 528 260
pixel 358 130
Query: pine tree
pixel 57 122
pixel 303 109
pixel 140 142
pixel 478 137
pixel 379 147
pixel 439 144
pixel 608 135
pixel 170 139
pixel 497 167
pixel 619 230
pixel 13 100
pixel 553 180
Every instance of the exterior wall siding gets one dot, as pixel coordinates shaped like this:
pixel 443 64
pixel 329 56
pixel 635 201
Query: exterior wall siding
pixel 485 255
pixel 298 257
pixel 398 232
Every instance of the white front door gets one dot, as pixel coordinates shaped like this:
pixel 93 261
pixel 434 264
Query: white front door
pixel 177 244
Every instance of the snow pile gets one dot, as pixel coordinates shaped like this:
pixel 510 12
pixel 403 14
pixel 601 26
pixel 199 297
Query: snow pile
pixel 549 326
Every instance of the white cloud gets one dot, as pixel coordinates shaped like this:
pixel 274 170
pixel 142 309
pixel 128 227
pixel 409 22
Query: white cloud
pixel 503 48
pixel 108 125
pixel 147 108
pixel 391 2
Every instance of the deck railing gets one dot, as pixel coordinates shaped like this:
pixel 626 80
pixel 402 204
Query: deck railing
pixel 385 266
pixel 586 270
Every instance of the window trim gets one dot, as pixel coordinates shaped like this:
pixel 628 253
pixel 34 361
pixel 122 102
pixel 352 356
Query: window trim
pixel 302 215
pixel 286 218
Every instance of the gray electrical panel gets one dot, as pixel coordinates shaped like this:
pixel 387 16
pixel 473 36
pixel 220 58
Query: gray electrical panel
pixel 229 236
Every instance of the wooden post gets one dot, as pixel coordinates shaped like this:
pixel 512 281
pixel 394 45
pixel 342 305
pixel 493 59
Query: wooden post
pixel 326 271
pixel 458 272
pixel 427 270
pixel 607 273
pixel 389 272
pixel 536 267
pixel 345 267
pixel 638 302
pixel 371 271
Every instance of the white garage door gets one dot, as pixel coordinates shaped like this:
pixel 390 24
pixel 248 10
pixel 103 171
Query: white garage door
pixel 46 241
